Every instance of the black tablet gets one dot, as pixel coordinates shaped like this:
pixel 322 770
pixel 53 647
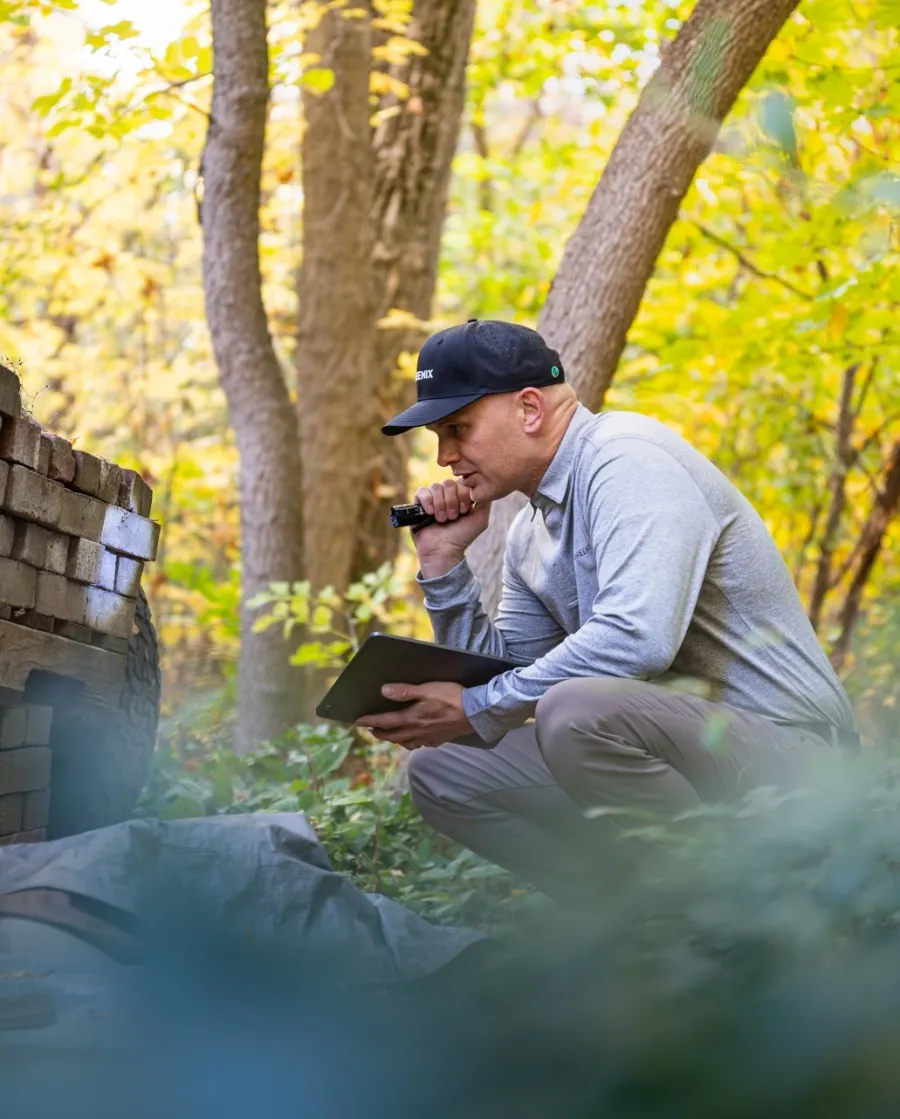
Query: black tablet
pixel 384 659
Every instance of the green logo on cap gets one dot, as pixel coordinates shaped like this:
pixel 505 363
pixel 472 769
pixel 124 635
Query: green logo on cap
pixel 554 370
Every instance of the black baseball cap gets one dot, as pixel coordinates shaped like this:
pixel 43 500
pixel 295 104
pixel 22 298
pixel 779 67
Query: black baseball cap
pixel 464 363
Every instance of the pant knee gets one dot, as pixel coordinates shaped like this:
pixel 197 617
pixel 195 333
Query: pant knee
pixel 568 717
pixel 421 777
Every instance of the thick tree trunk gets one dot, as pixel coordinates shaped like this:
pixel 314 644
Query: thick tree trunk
pixel 261 413
pixel 610 257
pixel 414 150
pixel 336 382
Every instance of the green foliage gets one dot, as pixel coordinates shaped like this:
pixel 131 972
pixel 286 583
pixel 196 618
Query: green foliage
pixel 381 597
pixel 354 796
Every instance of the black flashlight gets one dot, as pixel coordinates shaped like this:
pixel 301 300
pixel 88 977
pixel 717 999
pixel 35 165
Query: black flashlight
pixel 410 516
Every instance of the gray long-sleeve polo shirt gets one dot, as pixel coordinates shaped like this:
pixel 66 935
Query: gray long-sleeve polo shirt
pixel 637 557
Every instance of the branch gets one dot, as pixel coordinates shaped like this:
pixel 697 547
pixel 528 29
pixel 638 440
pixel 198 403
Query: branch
pixel 816 421
pixel 534 115
pixel 808 539
pixel 838 487
pixel 485 186
pixel 181 101
pixel 876 486
pixel 748 264
pixel 864 390
pixel 185 81
pixel 871 539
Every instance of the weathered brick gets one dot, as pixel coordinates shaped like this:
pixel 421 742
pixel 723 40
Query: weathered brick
pixel 4 475
pixel 33 620
pixel 111 644
pixel 39 717
pixel 74 631
pixel 59 598
pixel 91 563
pixel 30 544
pixel 10 393
pixel 13 727
pixel 5 612
pixel 134 493
pixel 110 478
pixel 11 812
pixel 62 460
pixel 57 553
pixel 107 577
pixel 20 441
pixel 44 454
pixel 128 576
pixel 108 613
pixel 36 811
pixel 33 497
pixel 36 835
pixel 18 583
pixel 24 769
pixel 85 557
pixel 87 473
pixel 7 535
pixel 81 515
pixel 129 534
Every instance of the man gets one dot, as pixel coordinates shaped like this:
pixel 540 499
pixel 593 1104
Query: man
pixel 665 654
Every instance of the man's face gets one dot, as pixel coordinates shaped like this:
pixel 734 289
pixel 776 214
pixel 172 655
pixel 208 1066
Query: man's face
pixel 481 444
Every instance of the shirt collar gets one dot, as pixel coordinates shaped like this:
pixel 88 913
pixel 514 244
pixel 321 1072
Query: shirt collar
pixel 552 487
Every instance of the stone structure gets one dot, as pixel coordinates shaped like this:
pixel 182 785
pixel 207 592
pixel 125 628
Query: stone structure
pixel 75 534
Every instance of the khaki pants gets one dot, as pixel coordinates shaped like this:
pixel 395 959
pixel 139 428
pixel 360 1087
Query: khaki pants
pixel 597 743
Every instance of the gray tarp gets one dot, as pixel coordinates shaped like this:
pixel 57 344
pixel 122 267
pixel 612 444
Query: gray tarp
pixel 265 879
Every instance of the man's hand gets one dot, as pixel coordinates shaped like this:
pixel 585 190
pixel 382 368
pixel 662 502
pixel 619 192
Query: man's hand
pixel 441 546
pixel 437 716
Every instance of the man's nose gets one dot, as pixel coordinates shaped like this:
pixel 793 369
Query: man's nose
pixel 447 454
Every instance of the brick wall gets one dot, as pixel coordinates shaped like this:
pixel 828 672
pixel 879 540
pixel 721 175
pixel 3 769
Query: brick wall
pixel 75 534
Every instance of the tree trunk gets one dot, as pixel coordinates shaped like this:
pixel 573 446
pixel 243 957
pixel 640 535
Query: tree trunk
pixel 414 151
pixel 261 413
pixel 610 257
pixel 336 381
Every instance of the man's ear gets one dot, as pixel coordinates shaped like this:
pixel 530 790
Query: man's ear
pixel 534 409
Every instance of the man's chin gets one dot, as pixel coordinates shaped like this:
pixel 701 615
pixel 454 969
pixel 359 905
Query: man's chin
pixel 485 492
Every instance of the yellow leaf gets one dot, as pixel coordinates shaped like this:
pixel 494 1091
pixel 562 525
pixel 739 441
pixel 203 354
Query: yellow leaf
pixel 317 80
pixel 384 83
pixel 837 322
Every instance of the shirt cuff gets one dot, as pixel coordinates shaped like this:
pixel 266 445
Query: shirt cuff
pixel 487 726
pixel 454 588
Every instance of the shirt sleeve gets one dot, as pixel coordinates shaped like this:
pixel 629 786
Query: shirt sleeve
pixel 524 629
pixel 652 535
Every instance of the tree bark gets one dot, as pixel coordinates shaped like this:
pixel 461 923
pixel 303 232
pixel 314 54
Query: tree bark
pixel 413 151
pixel 261 413
pixel 336 381
pixel 609 259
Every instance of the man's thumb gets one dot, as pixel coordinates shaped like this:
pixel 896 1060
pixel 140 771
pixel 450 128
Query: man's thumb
pixel 399 691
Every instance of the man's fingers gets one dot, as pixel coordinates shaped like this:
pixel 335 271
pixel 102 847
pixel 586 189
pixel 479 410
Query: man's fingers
pixel 425 499
pixel 401 691
pixel 393 720
pixel 451 498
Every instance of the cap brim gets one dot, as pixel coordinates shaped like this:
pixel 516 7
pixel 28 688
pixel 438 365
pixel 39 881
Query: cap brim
pixel 425 412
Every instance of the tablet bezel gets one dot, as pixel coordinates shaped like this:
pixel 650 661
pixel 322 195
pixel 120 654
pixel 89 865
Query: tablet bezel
pixel 418 662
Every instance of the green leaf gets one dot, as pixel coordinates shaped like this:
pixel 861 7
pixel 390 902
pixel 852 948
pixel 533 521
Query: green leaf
pixel 222 788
